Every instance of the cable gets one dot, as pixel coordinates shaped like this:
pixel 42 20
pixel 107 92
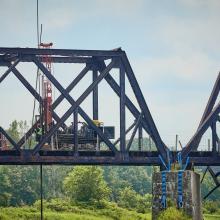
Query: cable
pixel 39 35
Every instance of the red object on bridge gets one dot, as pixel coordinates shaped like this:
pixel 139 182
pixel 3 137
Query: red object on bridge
pixel 47 89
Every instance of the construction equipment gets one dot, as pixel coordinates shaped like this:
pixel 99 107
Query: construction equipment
pixel 87 137
pixel 64 138
pixel 46 90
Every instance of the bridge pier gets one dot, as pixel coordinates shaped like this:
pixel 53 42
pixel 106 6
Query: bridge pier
pixel 191 194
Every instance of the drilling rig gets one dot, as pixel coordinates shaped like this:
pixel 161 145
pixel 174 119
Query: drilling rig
pixel 64 137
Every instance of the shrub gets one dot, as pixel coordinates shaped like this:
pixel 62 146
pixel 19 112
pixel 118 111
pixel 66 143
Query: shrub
pixel 211 207
pixel 173 214
pixel 86 184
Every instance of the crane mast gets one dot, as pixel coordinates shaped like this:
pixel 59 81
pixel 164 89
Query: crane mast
pixel 47 89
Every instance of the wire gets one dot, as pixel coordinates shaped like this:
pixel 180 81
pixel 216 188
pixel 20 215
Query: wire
pixel 39 35
pixel 38 38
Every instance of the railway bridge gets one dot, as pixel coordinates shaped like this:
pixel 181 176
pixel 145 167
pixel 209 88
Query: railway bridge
pixel 89 141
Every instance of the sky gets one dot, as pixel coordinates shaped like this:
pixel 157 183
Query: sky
pixel 173 48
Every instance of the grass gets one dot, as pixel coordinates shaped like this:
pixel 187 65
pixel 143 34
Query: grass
pixel 30 213
pixel 56 210
pixel 211 217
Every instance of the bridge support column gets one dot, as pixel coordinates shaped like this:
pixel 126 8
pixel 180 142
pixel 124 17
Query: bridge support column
pixel 191 194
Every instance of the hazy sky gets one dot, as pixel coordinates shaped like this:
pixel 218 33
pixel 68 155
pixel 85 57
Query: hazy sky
pixel 173 47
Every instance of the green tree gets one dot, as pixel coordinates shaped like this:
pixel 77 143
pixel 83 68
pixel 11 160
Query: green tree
pixel 137 178
pixel 5 186
pixel 128 198
pixel 25 184
pixel 86 184
pixel 13 130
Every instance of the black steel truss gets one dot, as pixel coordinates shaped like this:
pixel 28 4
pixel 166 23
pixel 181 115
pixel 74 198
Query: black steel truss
pixel 209 119
pixel 95 61
pixel 118 152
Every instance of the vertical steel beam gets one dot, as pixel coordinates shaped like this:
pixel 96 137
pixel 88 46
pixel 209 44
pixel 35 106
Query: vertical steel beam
pixel 140 138
pixel 122 111
pixel 95 95
pixel 76 131
pixel 214 137
pixel 134 111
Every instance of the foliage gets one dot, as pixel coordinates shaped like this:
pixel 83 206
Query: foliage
pixel 86 184
pixel 208 184
pixel 118 178
pixel 131 200
pixel 67 212
pixel 4 187
pixel 211 207
pixel 128 198
pixel 172 214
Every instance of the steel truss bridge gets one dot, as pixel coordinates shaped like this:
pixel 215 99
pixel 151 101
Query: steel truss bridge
pixel 100 62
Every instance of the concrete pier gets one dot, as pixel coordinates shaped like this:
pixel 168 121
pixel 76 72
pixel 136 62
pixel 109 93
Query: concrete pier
pixel 190 188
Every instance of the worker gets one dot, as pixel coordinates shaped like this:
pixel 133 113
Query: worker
pixel 38 132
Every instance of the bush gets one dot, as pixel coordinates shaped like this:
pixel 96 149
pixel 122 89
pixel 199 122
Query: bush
pixel 86 184
pixel 172 214
pixel 144 203
pixel 211 207
pixel 128 198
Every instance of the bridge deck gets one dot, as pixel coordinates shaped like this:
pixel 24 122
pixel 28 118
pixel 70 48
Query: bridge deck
pixel 147 158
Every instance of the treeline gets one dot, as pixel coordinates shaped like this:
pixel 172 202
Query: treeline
pixel 129 187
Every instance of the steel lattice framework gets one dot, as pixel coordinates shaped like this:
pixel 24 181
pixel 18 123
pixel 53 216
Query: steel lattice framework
pixel 100 63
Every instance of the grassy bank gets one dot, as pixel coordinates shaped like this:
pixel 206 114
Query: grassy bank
pixel 76 213
pixel 57 209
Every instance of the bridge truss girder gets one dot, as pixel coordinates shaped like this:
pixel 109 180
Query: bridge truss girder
pixel 95 61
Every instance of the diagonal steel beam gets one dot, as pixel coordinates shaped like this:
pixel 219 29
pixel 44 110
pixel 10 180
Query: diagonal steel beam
pixel 134 132
pixel 71 85
pixel 10 67
pixel 56 103
pixel 161 147
pixel 9 139
pixel 212 99
pixel 210 104
pixel 207 195
pixel 36 95
pixel 126 132
pixel 116 88
pixel 74 105
pixel 190 146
